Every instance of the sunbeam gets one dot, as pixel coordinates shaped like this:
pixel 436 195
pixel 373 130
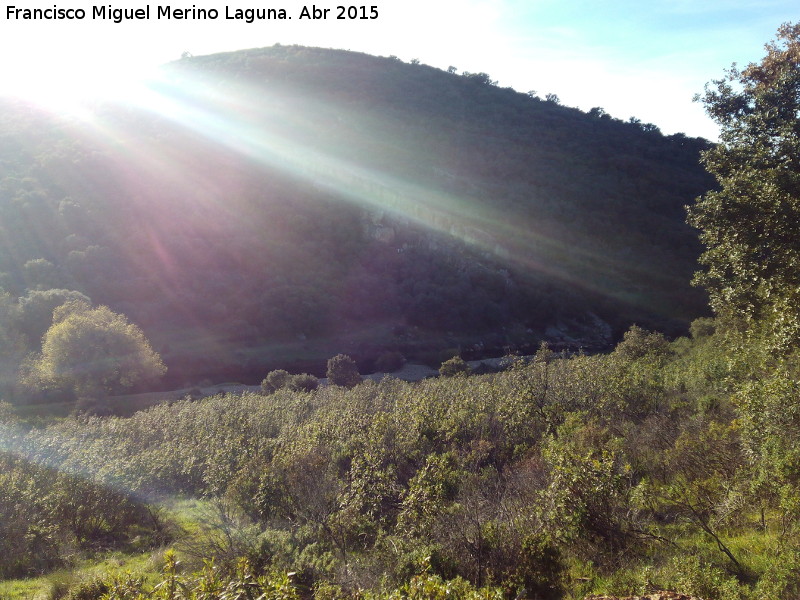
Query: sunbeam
pixel 270 127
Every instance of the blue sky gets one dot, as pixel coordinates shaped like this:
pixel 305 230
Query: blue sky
pixel 633 58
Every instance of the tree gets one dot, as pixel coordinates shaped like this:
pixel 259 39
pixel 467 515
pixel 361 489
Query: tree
pixel 12 347
pixel 41 274
pixel 275 380
pixel 751 224
pixel 303 382
pixel 95 352
pixel 638 343
pixel 482 78
pixel 36 311
pixel 454 367
pixel 342 370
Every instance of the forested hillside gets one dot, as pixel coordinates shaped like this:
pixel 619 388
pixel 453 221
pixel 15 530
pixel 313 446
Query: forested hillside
pixel 270 208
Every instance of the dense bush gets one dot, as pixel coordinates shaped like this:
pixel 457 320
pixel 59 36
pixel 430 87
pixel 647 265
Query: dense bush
pixel 302 382
pixel 47 516
pixel 275 380
pixel 343 371
pixel 453 367
pixel 606 464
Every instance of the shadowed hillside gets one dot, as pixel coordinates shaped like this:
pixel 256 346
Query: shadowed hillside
pixel 272 207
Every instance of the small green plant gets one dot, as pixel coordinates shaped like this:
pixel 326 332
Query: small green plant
pixel 92 589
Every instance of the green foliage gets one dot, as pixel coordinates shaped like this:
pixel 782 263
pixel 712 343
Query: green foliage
pixel 639 343
pixel 12 344
pixel 95 351
pixel 540 567
pixel 211 583
pixel 275 380
pixel 46 516
pixel 782 580
pixel 701 328
pixel 208 584
pixel 93 589
pixel 749 225
pixel 36 311
pixel 770 423
pixel 41 274
pixel 590 488
pixel 280 379
pixel 697 577
pixel 432 587
pixel 454 367
pixel 672 465
pixel 343 371
pixel 302 382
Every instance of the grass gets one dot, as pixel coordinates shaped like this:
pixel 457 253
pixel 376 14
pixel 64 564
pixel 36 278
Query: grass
pixel 12 589
pixel 186 514
pixel 56 584
pixel 695 563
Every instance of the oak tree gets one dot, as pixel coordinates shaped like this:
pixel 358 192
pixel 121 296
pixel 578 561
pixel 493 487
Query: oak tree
pixel 751 224
pixel 95 352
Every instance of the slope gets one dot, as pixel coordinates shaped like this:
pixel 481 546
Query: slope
pixel 276 206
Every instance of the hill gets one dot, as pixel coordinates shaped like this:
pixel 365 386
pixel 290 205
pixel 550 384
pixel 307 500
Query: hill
pixel 273 207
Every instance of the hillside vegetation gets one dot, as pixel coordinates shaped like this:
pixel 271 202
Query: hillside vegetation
pixel 273 207
pixel 558 477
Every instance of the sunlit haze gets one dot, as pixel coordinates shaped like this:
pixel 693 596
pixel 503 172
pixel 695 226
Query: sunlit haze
pixel 633 59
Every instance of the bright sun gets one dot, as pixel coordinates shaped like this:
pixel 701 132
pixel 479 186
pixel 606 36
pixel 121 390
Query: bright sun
pixel 67 88
pixel 60 65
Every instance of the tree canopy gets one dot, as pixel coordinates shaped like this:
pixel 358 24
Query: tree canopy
pixel 95 351
pixel 751 224
pixel 342 370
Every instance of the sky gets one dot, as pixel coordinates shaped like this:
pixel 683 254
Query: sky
pixel 632 58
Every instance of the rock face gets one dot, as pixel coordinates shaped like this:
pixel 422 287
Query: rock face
pixel 652 596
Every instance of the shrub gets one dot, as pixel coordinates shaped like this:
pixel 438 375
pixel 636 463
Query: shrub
pixel 703 327
pixel 781 581
pixel 342 370
pixel 454 367
pixel 638 343
pixel 275 380
pixel 93 589
pixel 304 382
pixel 540 567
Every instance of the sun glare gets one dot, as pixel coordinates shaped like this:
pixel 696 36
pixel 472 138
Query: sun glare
pixel 65 89
pixel 270 129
